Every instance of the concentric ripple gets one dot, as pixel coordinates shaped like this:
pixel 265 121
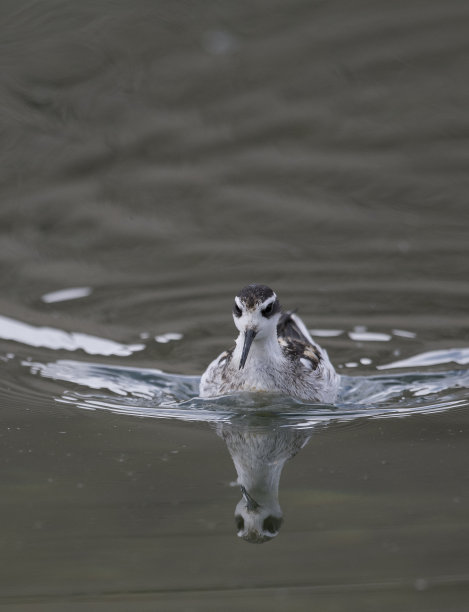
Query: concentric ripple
pixel 155 394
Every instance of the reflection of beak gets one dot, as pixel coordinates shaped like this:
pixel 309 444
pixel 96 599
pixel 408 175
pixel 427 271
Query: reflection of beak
pixel 249 336
pixel 251 503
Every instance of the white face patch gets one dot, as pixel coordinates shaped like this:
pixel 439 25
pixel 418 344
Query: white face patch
pixel 239 304
pixel 268 301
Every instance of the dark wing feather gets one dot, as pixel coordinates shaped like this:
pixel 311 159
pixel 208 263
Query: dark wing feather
pixel 294 343
pixel 287 328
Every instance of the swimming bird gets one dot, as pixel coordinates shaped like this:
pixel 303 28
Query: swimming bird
pixel 274 352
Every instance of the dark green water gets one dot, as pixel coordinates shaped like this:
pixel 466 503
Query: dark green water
pixel 161 156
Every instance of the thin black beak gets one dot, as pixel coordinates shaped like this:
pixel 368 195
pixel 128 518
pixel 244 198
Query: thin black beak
pixel 250 502
pixel 249 336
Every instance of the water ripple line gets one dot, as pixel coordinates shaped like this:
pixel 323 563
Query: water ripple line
pixel 152 393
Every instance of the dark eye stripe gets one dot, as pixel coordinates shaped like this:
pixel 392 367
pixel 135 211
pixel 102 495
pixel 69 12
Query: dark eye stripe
pixel 236 310
pixel 239 522
pixel 272 524
pixel 271 309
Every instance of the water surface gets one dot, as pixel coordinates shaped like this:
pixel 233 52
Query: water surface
pixel 156 158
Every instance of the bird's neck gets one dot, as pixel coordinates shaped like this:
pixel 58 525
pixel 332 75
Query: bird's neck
pixel 258 462
pixel 262 350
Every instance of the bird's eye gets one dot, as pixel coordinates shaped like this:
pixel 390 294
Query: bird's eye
pixel 239 522
pixel 272 524
pixel 237 310
pixel 268 310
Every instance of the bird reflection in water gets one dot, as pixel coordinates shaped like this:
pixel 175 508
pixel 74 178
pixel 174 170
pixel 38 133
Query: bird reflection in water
pixel 259 455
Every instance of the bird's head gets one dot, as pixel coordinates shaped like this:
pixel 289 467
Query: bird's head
pixel 256 312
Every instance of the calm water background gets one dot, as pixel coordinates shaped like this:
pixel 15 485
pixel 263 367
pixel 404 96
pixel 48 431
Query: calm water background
pixel 162 155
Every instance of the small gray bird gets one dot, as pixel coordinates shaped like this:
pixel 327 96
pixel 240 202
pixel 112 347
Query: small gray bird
pixel 274 352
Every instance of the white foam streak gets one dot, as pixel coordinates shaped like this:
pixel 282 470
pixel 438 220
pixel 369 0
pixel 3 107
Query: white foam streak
pixel 365 336
pixel 52 338
pixel 169 337
pixel 460 356
pixel 404 333
pixel 64 295
pixel 326 333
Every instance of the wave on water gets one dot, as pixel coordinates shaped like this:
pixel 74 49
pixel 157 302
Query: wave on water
pixel 155 394
pixel 53 338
